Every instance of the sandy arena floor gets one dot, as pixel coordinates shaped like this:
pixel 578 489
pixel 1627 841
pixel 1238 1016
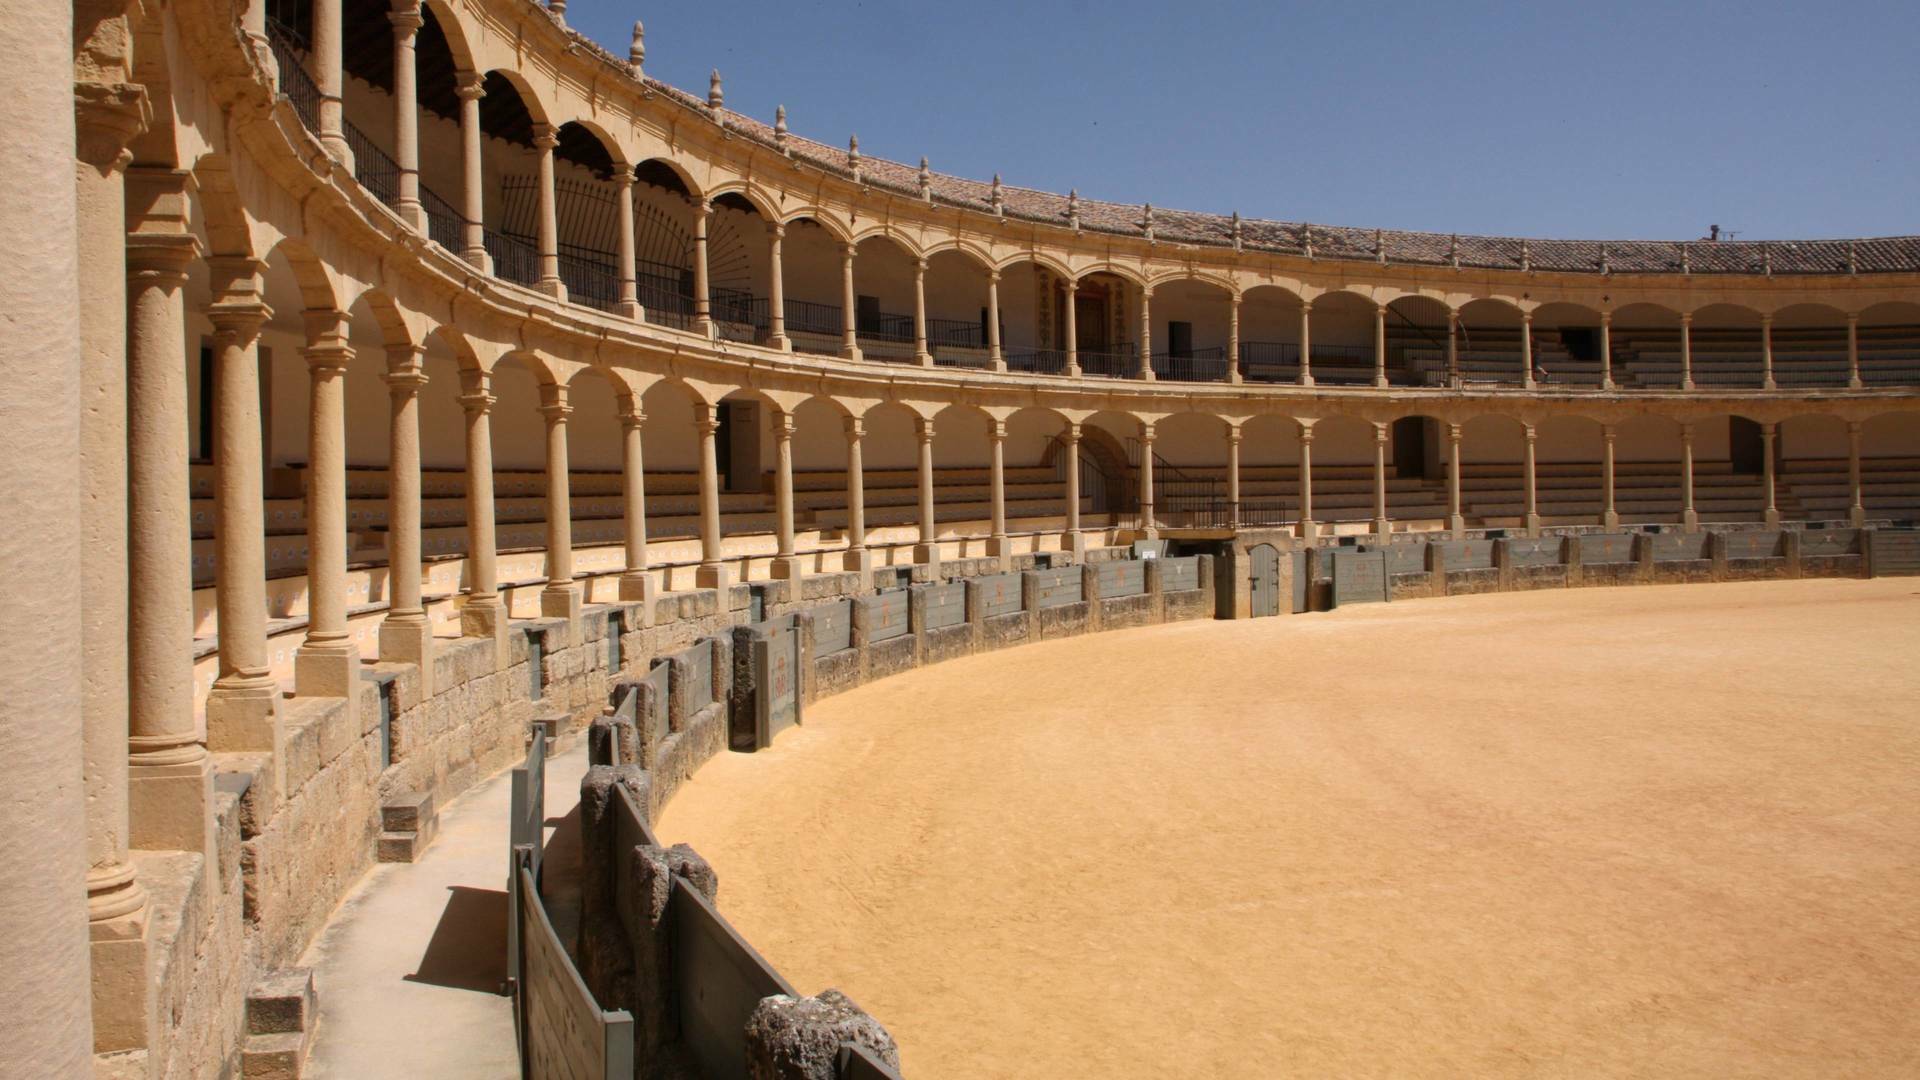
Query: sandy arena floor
pixel 1660 832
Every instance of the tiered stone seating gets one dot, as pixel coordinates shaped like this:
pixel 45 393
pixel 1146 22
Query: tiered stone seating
pixel 1889 488
pixel 1340 492
pixel 1644 493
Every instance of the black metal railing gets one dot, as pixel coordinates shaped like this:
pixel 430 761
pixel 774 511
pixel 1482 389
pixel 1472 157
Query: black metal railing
pixel 1269 361
pixel 1190 503
pixel 445 225
pixel 1114 362
pixel 1268 511
pixel 1037 361
pixel 373 167
pixel 296 85
pixel 881 326
pixel 957 333
pixel 1193 365
pixel 807 317
pixel 590 281
pixel 965 356
pixel 514 258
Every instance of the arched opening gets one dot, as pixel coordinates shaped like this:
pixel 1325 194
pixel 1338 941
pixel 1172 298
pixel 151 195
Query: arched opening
pixel 1890 454
pixel 1340 350
pixel 1490 351
pixel 586 206
pixel 663 245
pixel 1417 341
pixel 1417 455
pixel 1270 335
pixel 1810 346
pixel 1492 466
pixel 1646 346
pixel 956 289
pixel 596 476
pixel 1269 470
pixel 1342 477
pixel 883 271
pixel 509 164
pixel 1190 329
pixel 1190 483
pixel 1725 346
pixel 739 269
pixel 1888 342
pixel 1566 345
pixel 811 260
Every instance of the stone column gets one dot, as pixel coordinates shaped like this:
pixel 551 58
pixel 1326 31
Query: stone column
pixel 1766 354
pixel 713 572
pixel 1609 516
pixel 1380 345
pixel 45 451
pixel 405 634
pixel 1453 348
pixel 1689 520
pixel 323 63
pixel 1233 476
pixel 468 85
pixel 240 705
pixel 920 352
pixel 1306 480
pixel 483 615
pixel 1233 338
pixel 1073 541
pixel 702 292
pixel 1853 353
pixel 1606 350
pixel 995 358
pixel 928 550
pixel 1148 526
pixel 1456 518
pixel 1382 527
pixel 635 583
pixel 1070 320
pixel 777 291
pixel 1526 351
pixel 327 664
pixel 785 564
pixel 1686 352
pixel 997 488
pixel 1533 491
pixel 170 776
pixel 1857 510
pixel 849 319
pixel 560 599
pixel 629 303
pixel 1771 513
pixel 1146 334
pixel 107 117
pixel 856 560
pixel 406 21
pixel 1306 343
pixel 545 138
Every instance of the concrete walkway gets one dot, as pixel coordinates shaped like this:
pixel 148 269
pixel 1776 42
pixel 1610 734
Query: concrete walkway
pixel 410 968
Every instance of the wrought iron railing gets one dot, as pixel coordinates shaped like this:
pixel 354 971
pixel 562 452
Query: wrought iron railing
pixel 373 167
pixel 445 225
pixel 956 332
pixel 1115 362
pixel 514 258
pixel 590 281
pixel 881 326
pixel 1194 365
pixel 296 85
pixel 1037 361
pixel 807 317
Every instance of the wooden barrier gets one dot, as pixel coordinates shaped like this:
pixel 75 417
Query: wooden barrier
pixel 1679 546
pixel 832 627
pixel 947 605
pixel 566 1035
pixel 1121 577
pixel 1359 577
pixel 718 980
pixel 999 594
pixel 886 615
pixel 1057 588
pixel 1597 548
pixel 1178 574
pixel 1894 552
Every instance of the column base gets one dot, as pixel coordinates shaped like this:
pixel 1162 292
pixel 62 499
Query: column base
pixel 170 807
pixel 1307 529
pixel 1306 380
pixel 409 641
pixel 243 716
pixel 781 342
pixel 924 359
pixel 553 287
pixel 1533 524
pixel 857 561
pixel 1380 382
pixel 1074 542
pixel 1608 384
pixel 479 260
pixel 337 148
pixel 1769 384
pixel 1858 517
pixel 1148 376
pixel 712 576
pixel 636 587
pixel 997 362
pixel 1073 371
pixel 850 353
pixel 1856 384
pixel 1690 521
pixel 1382 528
pixel 1687 384
pixel 703 325
pixel 488 618
pixel 330 670
pixel 1457 525
pixel 561 602
pixel 999 545
pixel 1771 519
pixel 927 554
pixel 1610 520
pixel 413 214
pixel 120 955
pixel 630 309
pixel 786 568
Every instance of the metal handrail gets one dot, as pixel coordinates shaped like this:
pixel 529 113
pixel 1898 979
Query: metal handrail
pixel 1192 365
pixel 296 85
pixel 372 166
pixel 514 258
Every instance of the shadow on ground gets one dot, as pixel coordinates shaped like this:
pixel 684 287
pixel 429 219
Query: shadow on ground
pixel 468 950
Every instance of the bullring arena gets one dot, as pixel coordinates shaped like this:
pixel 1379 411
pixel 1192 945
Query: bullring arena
pixel 521 568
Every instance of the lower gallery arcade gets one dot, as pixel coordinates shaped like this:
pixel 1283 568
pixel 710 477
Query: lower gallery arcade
pixel 357 494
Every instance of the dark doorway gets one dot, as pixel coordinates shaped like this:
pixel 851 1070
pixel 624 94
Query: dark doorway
pixel 1745 446
pixel 1179 338
pixel 1410 446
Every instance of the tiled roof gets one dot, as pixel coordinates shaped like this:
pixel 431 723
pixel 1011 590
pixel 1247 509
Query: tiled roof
pixel 1863 256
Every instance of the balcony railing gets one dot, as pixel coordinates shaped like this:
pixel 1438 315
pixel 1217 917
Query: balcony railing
pixel 1038 361
pixel 1114 362
pixel 376 171
pixel 445 225
pixel 807 317
pixel 589 281
pixel 514 259
pixel 296 85
pixel 1193 365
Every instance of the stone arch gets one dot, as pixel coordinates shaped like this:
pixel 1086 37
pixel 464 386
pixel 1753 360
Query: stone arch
pixel 222 211
pixel 595 440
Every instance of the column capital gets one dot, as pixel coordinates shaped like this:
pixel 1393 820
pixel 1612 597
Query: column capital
pixel 1607 432
pixel 1854 427
pixel 1686 318
pixel 779 230
pixel 1306 431
pixel 1531 430
pixel 783 424
pixel 924 425
pixel 108 116
pixel 848 250
pixel 856 428
pixel 1686 431
pixel 406 21
pixel 1379 431
pixel 1768 428
pixel 919 267
pixel 993 278
pixel 160 257
pixel 1606 318
pixel 1766 322
pixel 469 85
pixel 996 429
pixel 1853 318
pixel 1453 433
pixel 240 318
pixel 1072 434
pixel 703 206
pixel 1306 307
pixel 406 371
pixel 1234 434
pixel 545 136
pixel 706 417
pixel 553 402
pixel 1146 432
pixel 621 176
pixel 632 416
pixel 477 402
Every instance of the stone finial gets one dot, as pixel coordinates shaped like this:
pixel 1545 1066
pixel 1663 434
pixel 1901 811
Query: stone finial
pixel 1146 222
pixel 1686 258
pixel 853 156
pixel 715 99
pixel 926 180
pixel 1526 256
pixel 1073 209
pixel 637 52
pixel 1380 246
pixel 1606 265
pixel 558 9
pixel 1453 251
pixel 780 129
pixel 995 199
pixel 1766 259
pixel 1237 240
pixel 1853 257
pixel 1306 240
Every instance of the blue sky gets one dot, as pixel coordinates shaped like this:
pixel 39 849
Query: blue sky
pixel 1605 120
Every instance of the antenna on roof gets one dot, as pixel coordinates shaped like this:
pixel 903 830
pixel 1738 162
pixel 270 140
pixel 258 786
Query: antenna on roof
pixel 637 52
